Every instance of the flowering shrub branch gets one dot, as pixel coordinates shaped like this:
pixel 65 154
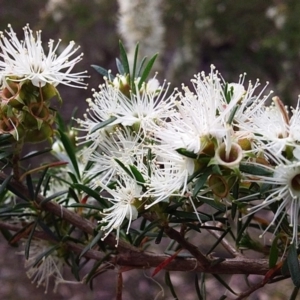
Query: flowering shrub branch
pixel 146 164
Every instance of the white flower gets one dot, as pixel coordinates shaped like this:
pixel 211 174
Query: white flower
pixel 285 189
pixel 169 174
pixel 27 60
pixel 123 199
pixel 140 111
pixel 146 107
pixel 202 115
pixel 122 145
pixel 248 102
pixel 40 271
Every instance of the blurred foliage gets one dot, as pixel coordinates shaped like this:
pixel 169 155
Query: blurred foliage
pixel 261 38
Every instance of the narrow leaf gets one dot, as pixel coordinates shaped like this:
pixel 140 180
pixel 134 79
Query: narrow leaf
pixel 170 285
pixel 136 52
pixel 103 124
pixel 274 252
pixel 28 242
pixel 198 291
pixel 201 181
pixel 293 264
pixel 91 244
pixel 147 70
pixel 103 72
pixel 224 284
pixel 124 58
pixel 5 183
pixel 120 67
pixel 138 74
pixel 35 153
pixel 30 186
pixel 39 184
pixel 124 168
pixel 255 169
pixel 218 241
pixel 136 173
pixel 53 196
pixel 92 193
pixel 69 147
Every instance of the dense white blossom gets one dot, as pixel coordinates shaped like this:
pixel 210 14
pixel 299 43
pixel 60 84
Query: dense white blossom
pixel 123 199
pixel 284 190
pixel 27 60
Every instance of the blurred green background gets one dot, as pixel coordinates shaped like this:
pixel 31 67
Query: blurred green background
pixel 261 38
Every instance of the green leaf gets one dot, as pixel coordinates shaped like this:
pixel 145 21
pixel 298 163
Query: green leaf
pixel 28 241
pixel 103 124
pixel 92 243
pixel 94 271
pixel 293 264
pixel 159 236
pixel 120 67
pixel 47 230
pixel 136 173
pixel 198 291
pixel 213 203
pixel 5 183
pixel 75 268
pixel 103 72
pixel 170 285
pixel 35 153
pixel 5 137
pixel 186 153
pixel 53 196
pixel 39 184
pixel 30 186
pixel 274 252
pixel 255 169
pixel 147 70
pixel 124 168
pixel 143 233
pixel 124 58
pixel 61 123
pixel 92 193
pixel 5 154
pixel 138 74
pixel 243 228
pixel 231 117
pixel 224 284
pixel 136 52
pixel 218 241
pixel 70 149
pixel 201 181
pixel 84 206
pixel 190 216
pixel 8 236
pixel 294 293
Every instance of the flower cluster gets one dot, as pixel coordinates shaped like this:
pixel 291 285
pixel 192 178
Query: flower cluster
pixel 143 150
pixel 149 146
pixel 28 79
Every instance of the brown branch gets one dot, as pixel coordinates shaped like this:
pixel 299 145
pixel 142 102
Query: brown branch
pixel 68 215
pixel 203 261
pixel 133 257
pixel 147 260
